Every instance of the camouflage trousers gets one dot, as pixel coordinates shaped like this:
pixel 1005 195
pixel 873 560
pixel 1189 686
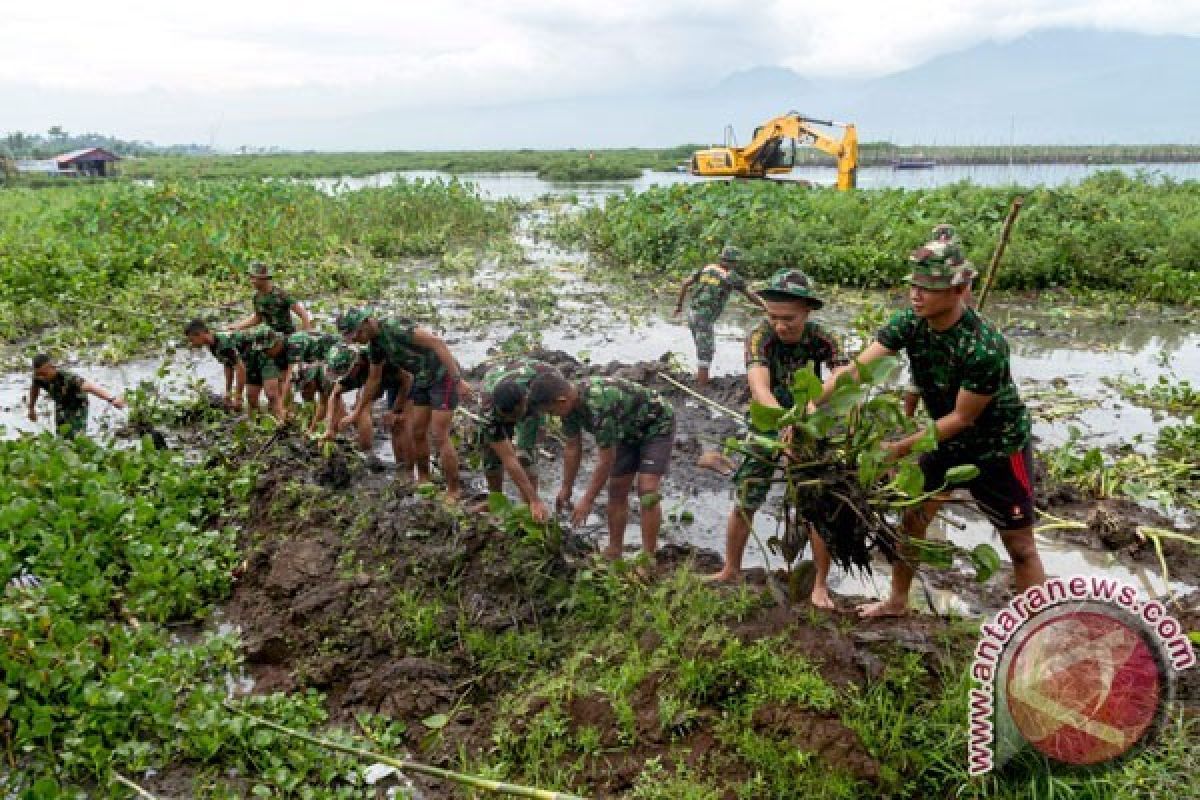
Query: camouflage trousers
pixel 752 481
pixel 701 326
pixel 526 432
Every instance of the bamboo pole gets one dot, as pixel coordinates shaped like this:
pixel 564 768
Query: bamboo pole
pixel 990 278
pixel 133 787
pixel 474 781
pixel 707 401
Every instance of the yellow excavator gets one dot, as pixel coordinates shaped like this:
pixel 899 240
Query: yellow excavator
pixel 773 150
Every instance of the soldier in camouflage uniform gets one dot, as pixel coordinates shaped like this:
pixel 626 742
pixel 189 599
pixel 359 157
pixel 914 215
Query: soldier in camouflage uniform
pixel 437 383
pixel 251 359
pixel 306 353
pixel 714 283
pixel 347 368
pixel 635 431
pixel 960 363
pixel 274 307
pixel 69 393
pixel 787 340
pixel 508 413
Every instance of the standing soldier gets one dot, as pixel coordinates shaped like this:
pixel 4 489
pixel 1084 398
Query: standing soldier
pixel 437 382
pixel 274 307
pixel 960 364
pixel 787 340
pixel 69 393
pixel 507 412
pixel 251 359
pixel 635 431
pixel 716 282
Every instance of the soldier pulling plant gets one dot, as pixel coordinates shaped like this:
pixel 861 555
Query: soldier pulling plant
pixel 347 369
pixel 960 364
pixel 635 432
pixel 783 343
pixel 251 360
pixel 69 393
pixel 714 283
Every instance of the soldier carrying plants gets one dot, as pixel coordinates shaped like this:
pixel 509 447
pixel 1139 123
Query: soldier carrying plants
pixel 787 340
pixel 69 393
pixel 960 364
pixel 714 283
pixel 634 429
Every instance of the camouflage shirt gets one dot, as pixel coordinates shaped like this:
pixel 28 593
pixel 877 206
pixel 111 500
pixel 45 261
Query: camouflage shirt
pixel 305 347
pixel 816 346
pixel 356 378
pixel 232 346
pixel 615 410
pixel 66 390
pixel 274 309
pixel 712 289
pixel 394 345
pixel 521 372
pixel 971 355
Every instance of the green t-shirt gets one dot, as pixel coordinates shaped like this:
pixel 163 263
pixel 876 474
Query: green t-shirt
pixel 305 347
pixel 971 355
pixel 615 410
pixel 816 346
pixel 233 346
pixel 394 345
pixel 275 309
pixel 712 288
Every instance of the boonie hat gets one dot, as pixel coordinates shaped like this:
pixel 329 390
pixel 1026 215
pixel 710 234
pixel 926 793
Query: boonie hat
pixel 791 284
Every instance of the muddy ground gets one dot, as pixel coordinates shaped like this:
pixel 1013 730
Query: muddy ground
pixel 359 586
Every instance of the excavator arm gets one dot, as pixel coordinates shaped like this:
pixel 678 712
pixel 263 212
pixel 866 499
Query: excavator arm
pixel 764 154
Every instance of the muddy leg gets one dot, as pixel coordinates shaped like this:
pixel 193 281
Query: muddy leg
pixel 1027 564
pixel 916 522
pixel 651 517
pixel 252 394
pixel 446 452
pixel 701 377
pixel 820 593
pixel 618 514
pixel 274 398
pixel 419 434
pixel 737 532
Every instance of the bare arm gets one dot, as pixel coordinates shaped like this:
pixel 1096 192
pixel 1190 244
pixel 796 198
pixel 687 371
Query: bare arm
pixel 572 456
pixel 368 393
pixel 99 391
pixel 967 408
pixel 300 311
pixel 423 338
pixel 239 383
pixel 759 378
pixel 248 322
pixel 604 464
pixel 34 391
pixel 683 290
pixel 512 465
pixel 873 352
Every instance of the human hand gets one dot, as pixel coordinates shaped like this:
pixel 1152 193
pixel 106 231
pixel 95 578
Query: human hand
pixel 581 512
pixel 117 402
pixel 562 502
pixel 538 510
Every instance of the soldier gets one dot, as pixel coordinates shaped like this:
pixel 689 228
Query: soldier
pixel 306 353
pixel 272 305
pixel 787 340
pixel 960 363
pixel 348 368
pixel 716 281
pixel 635 431
pixel 251 359
pixel 69 393
pixel 437 383
pixel 507 412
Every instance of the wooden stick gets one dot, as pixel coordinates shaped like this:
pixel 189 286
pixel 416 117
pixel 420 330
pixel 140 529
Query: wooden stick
pixel 137 790
pixel 990 278
pixel 711 403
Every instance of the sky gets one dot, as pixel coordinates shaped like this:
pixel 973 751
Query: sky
pixel 149 69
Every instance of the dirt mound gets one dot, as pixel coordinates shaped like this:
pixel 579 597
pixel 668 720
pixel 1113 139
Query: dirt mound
pixel 836 745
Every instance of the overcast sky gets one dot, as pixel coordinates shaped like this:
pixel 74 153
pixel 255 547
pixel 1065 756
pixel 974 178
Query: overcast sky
pixel 354 55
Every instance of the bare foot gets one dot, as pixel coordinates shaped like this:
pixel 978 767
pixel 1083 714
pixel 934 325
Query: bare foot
pixel 717 462
pixel 883 608
pixel 820 598
pixel 609 554
pixel 724 576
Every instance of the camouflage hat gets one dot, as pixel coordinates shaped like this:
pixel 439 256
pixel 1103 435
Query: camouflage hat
pixel 297 347
pixel 940 265
pixel 351 320
pixel 258 269
pixel 341 358
pixel 791 284
pixel 731 254
pixel 944 233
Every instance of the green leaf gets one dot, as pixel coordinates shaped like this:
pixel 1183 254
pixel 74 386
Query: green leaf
pixel 961 474
pixel 649 500
pixel 806 386
pixel 986 561
pixel 935 554
pixel 1194 636
pixel 498 502
pixel 436 722
pixel 928 441
pixel 765 418
pixel 909 479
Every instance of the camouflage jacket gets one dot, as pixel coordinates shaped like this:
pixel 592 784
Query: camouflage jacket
pixel 521 372
pixel 274 309
pixel 394 345
pixel 971 355
pixel 615 410
pixel 65 389
pixel 233 346
pixel 304 347
pixel 711 290
pixel 816 346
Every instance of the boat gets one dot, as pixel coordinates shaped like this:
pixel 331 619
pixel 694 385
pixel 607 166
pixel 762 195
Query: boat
pixel 913 163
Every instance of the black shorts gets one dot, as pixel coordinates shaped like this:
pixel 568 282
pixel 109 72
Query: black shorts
pixel 441 395
pixel 649 457
pixel 1003 488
